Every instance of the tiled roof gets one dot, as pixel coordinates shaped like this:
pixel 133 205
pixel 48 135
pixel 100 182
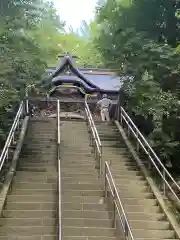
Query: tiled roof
pixel 100 80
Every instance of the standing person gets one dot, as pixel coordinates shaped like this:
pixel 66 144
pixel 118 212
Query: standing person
pixel 105 103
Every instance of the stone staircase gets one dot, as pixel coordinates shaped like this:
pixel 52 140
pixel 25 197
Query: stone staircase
pixel 30 210
pixel 84 214
pixel 146 218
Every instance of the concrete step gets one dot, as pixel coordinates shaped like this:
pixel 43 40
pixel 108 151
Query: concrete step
pixel 84 206
pixel 29 213
pixel 143 215
pixel 29 186
pixel 74 173
pixel 32 237
pixel 130 182
pixel 28 222
pixel 32 169
pixel 41 179
pixel 125 172
pixel 27 230
pixel 142 202
pixel 88 231
pixel 150 225
pixel 47 174
pixel 31 206
pixel 75 164
pixel 87 214
pixel 83 222
pixel 137 188
pixel 127 175
pixel 139 208
pixel 79 168
pixel 27 198
pixel 83 199
pixel 38 192
pixel 36 160
pixel 90 238
pixel 81 180
pixel 74 186
pixel 68 193
pixel 150 234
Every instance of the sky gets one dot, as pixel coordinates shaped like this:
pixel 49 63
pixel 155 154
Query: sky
pixel 74 11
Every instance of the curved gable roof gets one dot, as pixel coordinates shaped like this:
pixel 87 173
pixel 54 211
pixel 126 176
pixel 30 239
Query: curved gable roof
pixel 67 63
pixel 94 82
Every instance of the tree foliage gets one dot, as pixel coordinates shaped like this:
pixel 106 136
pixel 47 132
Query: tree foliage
pixel 24 52
pixel 138 38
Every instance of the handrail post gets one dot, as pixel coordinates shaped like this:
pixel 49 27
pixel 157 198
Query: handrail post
pixel 59 172
pixel 121 119
pixel 105 181
pixel 164 184
pixel 27 102
pixel 114 208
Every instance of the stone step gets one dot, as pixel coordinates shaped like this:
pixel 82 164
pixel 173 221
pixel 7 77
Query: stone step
pixel 43 146
pixel 88 231
pixel 29 213
pixel 144 216
pixel 139 208
pixel 33 169
pixel 49 174
pixel 67 193
pixel 142 202
pixel 31 237
pixel 27 230
pixel 31 206
pixel 90 238
pixel 28 221
pixel 127 175
pixel 83 199
pixel 130 182
pixel 36 160
pixel 79 168
pixel 77 164
pixel 36 198
pixel 38 153
pixel 137 194
pixel 29 186
pixel 36 191
pixel 150 234
pixel 137 188
pixel 84 206
pixel 87 214
pixel 82 180
pixel 150 225
pixel 74 173
pixel 76 152
pixel 83 222
pixel 82 186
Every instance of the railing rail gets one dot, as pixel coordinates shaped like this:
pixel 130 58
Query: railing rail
pixel 11 136
pixel 119 215
pixel 59 172
pixel 94 138
pixel 154 160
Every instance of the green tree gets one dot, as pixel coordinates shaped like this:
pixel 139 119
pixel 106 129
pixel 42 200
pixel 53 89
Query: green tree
pixel 132 38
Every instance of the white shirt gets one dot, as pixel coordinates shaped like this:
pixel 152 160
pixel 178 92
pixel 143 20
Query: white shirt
pixel 104 103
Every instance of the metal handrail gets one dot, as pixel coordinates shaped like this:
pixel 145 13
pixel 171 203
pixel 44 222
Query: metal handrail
pixel 142 142
pixel 59 173
pixel 93 124
pixel 11 135
pixel 94 138
pixel 118 209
